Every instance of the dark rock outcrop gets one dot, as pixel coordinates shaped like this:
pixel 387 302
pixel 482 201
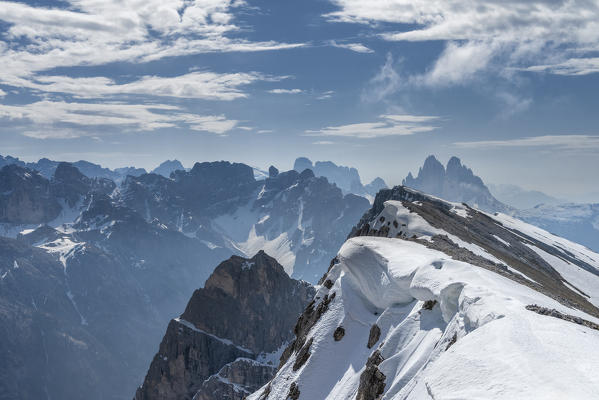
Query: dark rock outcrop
pixel 339 333
pixel 273 172
pixel 372 380
pixel 373 337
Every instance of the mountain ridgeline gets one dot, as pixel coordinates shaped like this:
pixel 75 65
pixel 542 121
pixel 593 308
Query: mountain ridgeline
pixel 101 268
pixel 421 286
pixel 346 178
pixel 456 182
pixel 224 345
pixel 93 270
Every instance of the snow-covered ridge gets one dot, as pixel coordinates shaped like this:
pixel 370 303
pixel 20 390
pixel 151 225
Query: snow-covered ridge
pixel 392 284
pixel 429 300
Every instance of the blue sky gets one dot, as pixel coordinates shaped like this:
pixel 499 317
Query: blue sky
pixel 509 86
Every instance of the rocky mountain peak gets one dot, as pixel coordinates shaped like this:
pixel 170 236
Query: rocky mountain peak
pixel 69 183
pixel 167 167
pixel 273 172
pixel 216 349
pixel 222 171
pixel 257 291
pixel 25 196
pixel 302 163
pixel 456 182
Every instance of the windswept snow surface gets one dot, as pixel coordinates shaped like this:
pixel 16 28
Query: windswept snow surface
pixel 477 342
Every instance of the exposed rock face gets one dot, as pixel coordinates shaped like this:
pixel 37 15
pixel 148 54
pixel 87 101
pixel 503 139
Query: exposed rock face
pixel 70 184
pixel 29 198
pixel 512 248
pixel 576 222
pixel 235 380
pixel 25 197
pixel 247 308
pixel 373 337
pixel 346 178
pixel 300 219
pixel 258 292
pixel 456 183
pixel 372 380
pixel 413 294
pixel 45 350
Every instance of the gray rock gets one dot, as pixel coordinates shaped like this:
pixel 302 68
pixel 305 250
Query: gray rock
pixel 247 307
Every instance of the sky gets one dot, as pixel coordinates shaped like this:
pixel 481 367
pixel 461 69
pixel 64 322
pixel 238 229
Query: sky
pixel 510 87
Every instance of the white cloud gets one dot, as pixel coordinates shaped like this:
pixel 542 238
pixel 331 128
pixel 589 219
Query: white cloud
pixel 261 131
pixel 285 91
pixel 357 47
pixel 199 85
pixel 573 66
pixel 383 84
pixel 2 93
pixel 388 125
pixel 323 142
pixel 458 64
pixel 91 32
pixel 557 36
pixel 326 95
pixel 563 142
pixel 63 120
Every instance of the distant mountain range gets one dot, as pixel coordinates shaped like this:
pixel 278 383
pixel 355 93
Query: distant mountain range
pixel 521 198
pixel 47 167
pixel 346 178
pixel 435 300
pixel 122 259
pixel 456 182
pixel 92 270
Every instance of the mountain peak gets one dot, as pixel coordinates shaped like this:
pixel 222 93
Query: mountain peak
pixel 456 183
pixel 273 172
pixel 302 163
pixel 454 162
pixel 167 167
pixel 68 172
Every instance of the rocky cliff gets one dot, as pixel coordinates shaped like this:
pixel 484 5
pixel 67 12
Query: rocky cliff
pixel 223 344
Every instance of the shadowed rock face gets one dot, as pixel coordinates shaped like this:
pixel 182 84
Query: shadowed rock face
pixel 25 197
pixel 45 350
pixel 247 307
pixel 306 217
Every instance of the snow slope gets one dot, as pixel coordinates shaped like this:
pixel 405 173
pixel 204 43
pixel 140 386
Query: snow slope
pixel 449 329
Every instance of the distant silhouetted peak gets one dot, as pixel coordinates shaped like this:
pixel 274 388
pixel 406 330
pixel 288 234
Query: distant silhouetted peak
pixel 302 163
